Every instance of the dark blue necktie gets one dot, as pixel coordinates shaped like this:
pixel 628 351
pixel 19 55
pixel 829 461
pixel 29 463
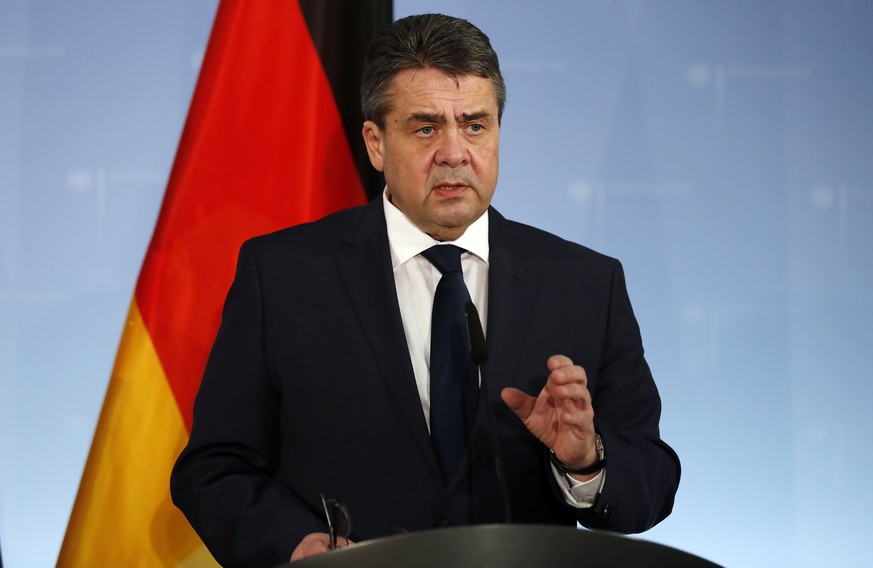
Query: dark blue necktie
pixel 454 384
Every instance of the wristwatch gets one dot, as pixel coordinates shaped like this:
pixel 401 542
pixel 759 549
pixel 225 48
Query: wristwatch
pixel 593 468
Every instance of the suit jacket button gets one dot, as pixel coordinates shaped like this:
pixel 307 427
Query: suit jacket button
pixel 441 523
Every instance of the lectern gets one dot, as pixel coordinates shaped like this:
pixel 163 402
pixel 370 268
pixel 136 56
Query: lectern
pixel 506 546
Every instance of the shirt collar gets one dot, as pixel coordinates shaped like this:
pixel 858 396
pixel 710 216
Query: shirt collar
pixel 406 240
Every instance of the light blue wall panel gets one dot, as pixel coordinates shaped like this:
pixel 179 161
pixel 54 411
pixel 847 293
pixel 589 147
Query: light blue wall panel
pixel 723 150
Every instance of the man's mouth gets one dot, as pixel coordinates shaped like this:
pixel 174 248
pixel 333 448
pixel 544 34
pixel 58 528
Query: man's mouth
pixel 449 189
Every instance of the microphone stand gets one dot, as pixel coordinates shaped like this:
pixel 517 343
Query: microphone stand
pixel 479 352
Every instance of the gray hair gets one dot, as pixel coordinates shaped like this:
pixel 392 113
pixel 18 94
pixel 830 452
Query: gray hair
pixel 427 41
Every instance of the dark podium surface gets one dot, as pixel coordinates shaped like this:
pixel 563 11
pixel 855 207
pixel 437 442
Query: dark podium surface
pixel 509 546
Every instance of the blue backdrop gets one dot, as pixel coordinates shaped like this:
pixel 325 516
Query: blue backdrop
pixel 723 150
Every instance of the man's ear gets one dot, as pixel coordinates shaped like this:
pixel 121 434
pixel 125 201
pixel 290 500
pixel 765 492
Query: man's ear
pixel 374 141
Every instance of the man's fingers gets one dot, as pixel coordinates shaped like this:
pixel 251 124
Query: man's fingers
pixel 568 375
pixel 557 361
pixel 518 402
pixel 312 544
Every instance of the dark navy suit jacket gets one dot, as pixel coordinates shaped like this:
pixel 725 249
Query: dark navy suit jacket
pixel 309 389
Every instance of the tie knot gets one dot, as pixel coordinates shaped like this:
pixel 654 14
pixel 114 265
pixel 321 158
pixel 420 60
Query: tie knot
pixel 446 258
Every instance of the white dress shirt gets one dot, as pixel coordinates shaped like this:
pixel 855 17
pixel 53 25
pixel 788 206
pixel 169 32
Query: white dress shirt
pixel 416 280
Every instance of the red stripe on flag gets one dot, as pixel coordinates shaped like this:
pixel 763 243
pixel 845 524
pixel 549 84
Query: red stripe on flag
pixel 263 148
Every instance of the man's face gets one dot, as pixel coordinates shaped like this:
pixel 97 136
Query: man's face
pixel 438 149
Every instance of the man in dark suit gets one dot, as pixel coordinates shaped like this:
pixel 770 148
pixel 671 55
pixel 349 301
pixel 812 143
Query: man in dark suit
pixel 319 380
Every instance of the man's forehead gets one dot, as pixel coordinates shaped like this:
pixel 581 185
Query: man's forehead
pixel 423 91
pixel 410 78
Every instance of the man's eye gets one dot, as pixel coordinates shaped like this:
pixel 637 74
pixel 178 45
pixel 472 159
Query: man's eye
pixel 476 128
pixel 426 130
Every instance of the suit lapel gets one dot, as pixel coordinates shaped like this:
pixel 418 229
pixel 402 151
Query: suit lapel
pixel 513 279
pixel 369 278
pixel 512 283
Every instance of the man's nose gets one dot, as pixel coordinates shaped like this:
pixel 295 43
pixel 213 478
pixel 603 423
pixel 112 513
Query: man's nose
pixel 452 150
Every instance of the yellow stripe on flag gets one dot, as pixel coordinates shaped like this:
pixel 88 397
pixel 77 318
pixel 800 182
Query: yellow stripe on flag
pixel 140 429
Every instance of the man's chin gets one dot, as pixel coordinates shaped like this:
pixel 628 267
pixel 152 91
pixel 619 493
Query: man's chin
pixel 455 225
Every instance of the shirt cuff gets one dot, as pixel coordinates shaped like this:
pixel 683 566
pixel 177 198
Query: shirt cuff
pixel 579 494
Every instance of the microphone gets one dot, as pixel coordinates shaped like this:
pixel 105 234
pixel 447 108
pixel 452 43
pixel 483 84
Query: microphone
pixel 479 353
pixel 475 334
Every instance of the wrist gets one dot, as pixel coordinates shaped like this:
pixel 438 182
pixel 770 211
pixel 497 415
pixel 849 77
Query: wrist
pixel 598 465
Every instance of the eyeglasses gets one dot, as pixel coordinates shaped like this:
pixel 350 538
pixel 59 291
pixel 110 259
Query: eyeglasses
pixel 339 523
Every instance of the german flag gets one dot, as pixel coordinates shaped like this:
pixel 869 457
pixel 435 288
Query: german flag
pixel 272 139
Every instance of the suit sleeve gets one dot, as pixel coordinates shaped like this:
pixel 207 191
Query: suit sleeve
pixel 643 472
pixel 224 481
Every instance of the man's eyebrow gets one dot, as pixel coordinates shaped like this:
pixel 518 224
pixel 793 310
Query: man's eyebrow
pixel 439 118
pixel 478 115
pixel 426 117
